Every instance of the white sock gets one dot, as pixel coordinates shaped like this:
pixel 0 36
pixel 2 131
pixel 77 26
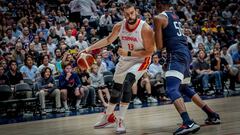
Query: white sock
pixel 110 109
pixel 122 111
pixel 65 104
pixel 78 102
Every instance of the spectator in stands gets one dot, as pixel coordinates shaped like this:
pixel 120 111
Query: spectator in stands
pixel 146 85
pixel 19 53
pixel 59 29
pixel 155 67
pixel 47 87
pixel 37 44
pixel 81 43
pixel 87 8
pixel 9 38
pixel 29 71
pixel 51 46
pixel 3 78
pixel 221 65
pixel 86 84
pixel 69 39
pixel 57 61
pixel 34 54
pixel 70 86
pixel 97 82
pixel 102 65
pixel 43 29
pixel 204 74
pixel 13 74
pixel 15 31
pixel 109 63
pixel 105 24
pixel 45 63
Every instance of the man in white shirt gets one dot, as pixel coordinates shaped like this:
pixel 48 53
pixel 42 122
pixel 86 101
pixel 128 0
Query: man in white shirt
pixel 45 63
pixel 105 23
pixel 155 67
pixel 81 43
pixel 69 39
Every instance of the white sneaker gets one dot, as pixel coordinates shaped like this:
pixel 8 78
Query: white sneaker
pixel 151 100
pixel 137 101
pixel 120 126
pixel 106 121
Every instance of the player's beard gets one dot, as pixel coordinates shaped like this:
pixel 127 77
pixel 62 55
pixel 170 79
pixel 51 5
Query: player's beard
pixel 132 21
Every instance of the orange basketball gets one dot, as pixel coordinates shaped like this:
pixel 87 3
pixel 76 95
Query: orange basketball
pixel 85 61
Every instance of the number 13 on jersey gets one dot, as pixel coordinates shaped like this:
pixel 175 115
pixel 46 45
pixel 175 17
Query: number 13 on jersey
pixel 131 47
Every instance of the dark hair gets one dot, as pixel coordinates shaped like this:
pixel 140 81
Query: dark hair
pixel 45 56
pixel 11 61
pixel 65 64
pixel 28 56
pixel 129 4
pixel 44 71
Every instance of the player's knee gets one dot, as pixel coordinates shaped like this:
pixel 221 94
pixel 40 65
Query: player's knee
pixel 172 88
pixel 116 93
pixel 187 91
pixel 127 87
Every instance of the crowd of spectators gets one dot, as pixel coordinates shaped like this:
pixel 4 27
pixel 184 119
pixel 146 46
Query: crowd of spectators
pixel 40 39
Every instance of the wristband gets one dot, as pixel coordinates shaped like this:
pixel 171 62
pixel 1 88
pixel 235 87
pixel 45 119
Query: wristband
pixel 129 53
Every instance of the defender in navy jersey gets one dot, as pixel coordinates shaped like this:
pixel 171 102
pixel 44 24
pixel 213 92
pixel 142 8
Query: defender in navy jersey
pixel 169 34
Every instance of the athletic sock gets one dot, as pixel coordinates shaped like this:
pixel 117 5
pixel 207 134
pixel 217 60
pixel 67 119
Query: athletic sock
pixel 134 96
pixel 110 109
pixel 208 111
pixel 185 118
pixel 122 111
pixel 149 95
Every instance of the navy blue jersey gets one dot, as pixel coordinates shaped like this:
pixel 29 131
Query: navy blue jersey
pixel 173 37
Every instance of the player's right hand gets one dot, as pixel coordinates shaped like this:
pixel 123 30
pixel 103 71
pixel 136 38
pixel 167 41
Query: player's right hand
pixel 86 50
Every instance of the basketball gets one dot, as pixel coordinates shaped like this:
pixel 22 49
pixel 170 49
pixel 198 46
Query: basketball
pixel 85 61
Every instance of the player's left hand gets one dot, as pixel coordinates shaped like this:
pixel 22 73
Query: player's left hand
pixel 122 52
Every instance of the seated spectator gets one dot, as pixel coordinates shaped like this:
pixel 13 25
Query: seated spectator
pixel 19 53
pixel 203 73
pixel 97 82
pixel 146 85
pixel 70 86
pixel 47 87
pixel 69 39
pixel 45 63
pixel 34 54
pixel 3 78
pixel 13 74
pixel 86 84
pixel 102 66
pixel 155 67
pixel 220 64
pixel 57 60
pixel 81 43
pixel 108 62
pixel 29 71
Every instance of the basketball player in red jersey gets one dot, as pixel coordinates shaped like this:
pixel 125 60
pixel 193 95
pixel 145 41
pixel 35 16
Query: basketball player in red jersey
pixel 137 41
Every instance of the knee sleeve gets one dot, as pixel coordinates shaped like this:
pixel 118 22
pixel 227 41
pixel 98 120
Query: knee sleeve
pixel 172 88
pixel 127 87
pixel 116 93
pixel 186 90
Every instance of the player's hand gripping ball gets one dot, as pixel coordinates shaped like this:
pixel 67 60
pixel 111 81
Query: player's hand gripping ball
pixel 85 61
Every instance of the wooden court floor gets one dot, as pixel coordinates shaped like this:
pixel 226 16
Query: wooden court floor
pixel 159 120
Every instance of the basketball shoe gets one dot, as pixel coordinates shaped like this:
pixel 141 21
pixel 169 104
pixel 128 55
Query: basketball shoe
pixel 120 126
pixel 106 121
pixel 184 129
pixel 213 120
